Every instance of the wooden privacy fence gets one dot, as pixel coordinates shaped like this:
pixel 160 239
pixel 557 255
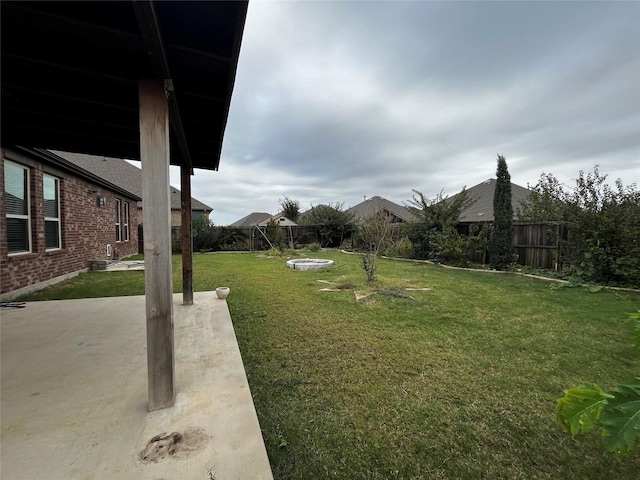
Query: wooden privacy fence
pixel 537 244
pixel 247 238
pixel 294 236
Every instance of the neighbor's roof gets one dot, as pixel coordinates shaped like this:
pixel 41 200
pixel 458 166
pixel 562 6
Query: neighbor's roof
pixel 482 209
pixel 71 70
pixel 280 219
pixel 123 174
pixel 251 220
pixel 23 154
pixel 375 204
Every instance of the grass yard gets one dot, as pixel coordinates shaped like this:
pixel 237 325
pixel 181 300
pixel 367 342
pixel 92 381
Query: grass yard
pixel 459 383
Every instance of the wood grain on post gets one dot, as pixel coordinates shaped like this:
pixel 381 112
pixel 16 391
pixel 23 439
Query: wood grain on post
pixel 187 242
pixel 156 217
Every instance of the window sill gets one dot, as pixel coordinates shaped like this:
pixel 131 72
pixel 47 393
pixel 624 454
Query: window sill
pixel 21 255
pixel 57 251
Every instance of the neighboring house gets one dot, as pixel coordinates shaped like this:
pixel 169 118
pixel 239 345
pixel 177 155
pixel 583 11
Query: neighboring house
pixel 481 211
pixel 255 224
pixel 394 212
pixel 128 176
pixel 279 219
pixel 534 243
pixel 56 218
pixel 262 219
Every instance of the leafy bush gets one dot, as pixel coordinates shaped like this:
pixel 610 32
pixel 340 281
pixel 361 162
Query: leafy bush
pixel 231 239
pixel 618 413
pixel 347 244
pixel 276 236
pixel 203 232
pixel 452 247
pixel 369 266
pixel 403 248
pixel 431 216
pixel 314 247
pixel 333 223
pixel 603 226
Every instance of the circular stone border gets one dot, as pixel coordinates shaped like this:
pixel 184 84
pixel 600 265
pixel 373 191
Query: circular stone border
pixel 309 263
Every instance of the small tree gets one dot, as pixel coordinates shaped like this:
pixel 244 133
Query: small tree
pixel 374 233
pixel 332 221
pixel 501 237
pixel 433 216
pixel 275 235
pixel 290 208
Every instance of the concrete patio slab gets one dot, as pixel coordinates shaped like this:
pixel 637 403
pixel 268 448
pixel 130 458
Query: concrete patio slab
pixel 74 394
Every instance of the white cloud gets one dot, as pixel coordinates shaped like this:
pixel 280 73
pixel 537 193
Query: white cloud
pixel 337 100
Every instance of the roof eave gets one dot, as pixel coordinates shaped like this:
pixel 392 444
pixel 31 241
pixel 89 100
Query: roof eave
pixel 52 158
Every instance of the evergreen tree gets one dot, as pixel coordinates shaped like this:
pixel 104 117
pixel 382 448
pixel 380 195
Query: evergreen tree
pixel 501 239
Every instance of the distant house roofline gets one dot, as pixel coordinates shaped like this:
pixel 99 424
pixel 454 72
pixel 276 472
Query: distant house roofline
pixel 251 220
pixel 481 211
pixel 376 203
pixel 123 174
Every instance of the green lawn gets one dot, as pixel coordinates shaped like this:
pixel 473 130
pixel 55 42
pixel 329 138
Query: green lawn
pixel 459 383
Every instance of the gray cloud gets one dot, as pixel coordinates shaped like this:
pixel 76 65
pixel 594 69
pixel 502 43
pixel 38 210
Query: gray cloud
pixel 337 100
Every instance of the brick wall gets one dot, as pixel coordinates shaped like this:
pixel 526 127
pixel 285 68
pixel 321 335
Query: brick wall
pixel 176 218
pixel 86 230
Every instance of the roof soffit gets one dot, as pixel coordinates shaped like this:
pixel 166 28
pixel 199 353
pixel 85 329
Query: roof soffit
pixel 75 88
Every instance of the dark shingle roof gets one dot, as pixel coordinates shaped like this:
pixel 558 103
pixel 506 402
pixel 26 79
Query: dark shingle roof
pixel 251 220
pixel 375 204
pixel 482 209
pixel 123 174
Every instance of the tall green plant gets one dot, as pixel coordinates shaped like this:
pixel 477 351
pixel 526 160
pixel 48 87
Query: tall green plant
pixel 333 223
pixel 432 216
pixel 374 233
pixel 501 237
pixel 275 235
pixel 203 232
pixel 603 224
pixel 451 246
pixel 617 413
pixel 290 208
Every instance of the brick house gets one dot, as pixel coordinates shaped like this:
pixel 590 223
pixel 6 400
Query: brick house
pixel 55 217
pixel 129 177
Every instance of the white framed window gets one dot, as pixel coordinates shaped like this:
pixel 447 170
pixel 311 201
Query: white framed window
pixel 125 221
pixel 52 227
pixel 18 208
pixel 118 221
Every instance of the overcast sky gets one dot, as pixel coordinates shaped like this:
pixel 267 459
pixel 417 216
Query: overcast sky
pixel 335 101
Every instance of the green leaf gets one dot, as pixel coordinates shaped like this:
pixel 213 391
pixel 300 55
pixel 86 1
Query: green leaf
pixel 621 419
pixel 581 407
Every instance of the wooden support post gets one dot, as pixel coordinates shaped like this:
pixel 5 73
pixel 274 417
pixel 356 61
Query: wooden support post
pixel 187 242
pixel 156 218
